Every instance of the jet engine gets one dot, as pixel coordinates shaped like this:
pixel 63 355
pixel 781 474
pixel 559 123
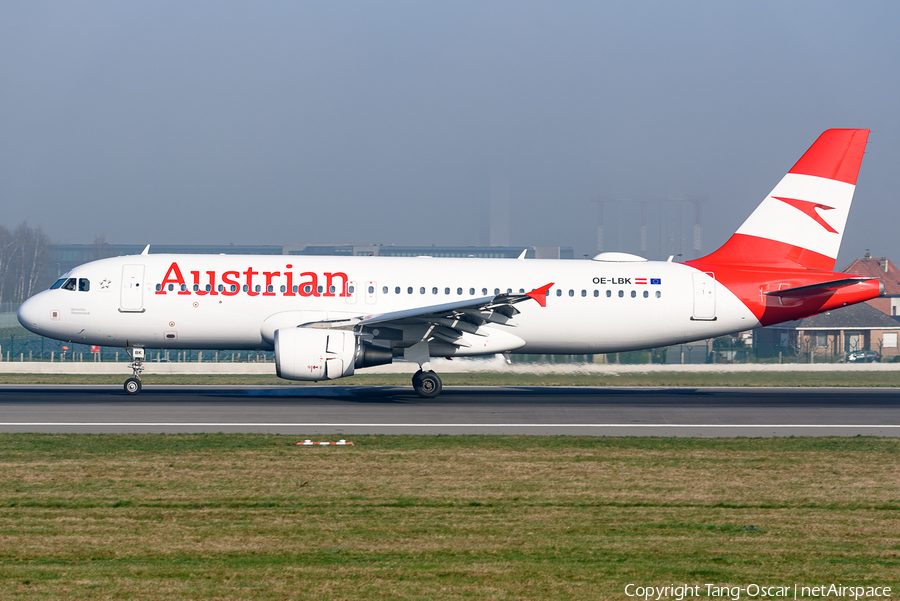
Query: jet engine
pixel 313 354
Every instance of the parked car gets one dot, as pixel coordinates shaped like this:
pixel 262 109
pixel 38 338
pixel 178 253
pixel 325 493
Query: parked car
pixel 864 357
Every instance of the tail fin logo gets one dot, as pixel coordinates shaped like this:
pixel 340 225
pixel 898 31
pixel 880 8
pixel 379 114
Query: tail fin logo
pixel 809 208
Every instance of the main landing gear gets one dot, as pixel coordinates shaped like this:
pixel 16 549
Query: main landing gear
pixel 133 384
pixel 427 384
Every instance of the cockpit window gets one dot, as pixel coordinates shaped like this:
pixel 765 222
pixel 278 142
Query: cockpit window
pixel 70 284
pixel 58 283
pixel 84 285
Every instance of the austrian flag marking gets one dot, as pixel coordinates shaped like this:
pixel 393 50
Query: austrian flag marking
pixel 640 281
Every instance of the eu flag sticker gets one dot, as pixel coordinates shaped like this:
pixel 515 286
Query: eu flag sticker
pixel 656 281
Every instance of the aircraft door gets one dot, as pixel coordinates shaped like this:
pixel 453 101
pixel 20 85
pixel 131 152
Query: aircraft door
pixel 371 292
pixel 704 297
pixel 131 299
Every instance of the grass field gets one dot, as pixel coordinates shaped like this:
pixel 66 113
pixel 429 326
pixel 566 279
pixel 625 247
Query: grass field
pixel 461 517
pixel 836 378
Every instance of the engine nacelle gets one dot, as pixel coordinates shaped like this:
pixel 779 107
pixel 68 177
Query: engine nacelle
pixel 314 354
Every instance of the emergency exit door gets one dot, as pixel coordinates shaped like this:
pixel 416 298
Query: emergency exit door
pixel 704 297
pixel 132 292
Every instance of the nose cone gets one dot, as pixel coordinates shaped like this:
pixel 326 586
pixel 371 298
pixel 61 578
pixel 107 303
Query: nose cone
pixel 29 315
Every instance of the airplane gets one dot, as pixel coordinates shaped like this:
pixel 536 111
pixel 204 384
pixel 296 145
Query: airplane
pixel 326 317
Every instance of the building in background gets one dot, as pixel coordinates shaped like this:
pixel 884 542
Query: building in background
pixel 831 335
pixel 887 272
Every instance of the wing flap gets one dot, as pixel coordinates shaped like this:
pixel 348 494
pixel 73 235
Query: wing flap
pixel 448 322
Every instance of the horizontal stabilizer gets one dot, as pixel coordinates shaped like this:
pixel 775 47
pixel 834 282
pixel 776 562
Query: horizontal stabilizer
pixel 820 288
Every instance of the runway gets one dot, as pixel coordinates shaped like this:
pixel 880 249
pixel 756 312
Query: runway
pixel 347 410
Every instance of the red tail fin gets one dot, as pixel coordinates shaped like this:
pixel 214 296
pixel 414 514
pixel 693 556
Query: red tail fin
pixel 801 222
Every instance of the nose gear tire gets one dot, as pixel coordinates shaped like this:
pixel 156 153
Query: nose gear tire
pixel 132 386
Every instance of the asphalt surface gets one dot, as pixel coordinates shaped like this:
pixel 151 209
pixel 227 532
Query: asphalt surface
pixel 346 410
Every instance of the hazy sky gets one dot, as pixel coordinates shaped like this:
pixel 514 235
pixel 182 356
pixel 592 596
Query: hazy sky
pixel 385 122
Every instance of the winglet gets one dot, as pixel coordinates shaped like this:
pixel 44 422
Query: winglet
pixel 146 250
pixel 522 256
pixel 540 294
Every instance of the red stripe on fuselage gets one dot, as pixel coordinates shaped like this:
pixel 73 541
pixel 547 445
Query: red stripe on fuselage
pixel 750 284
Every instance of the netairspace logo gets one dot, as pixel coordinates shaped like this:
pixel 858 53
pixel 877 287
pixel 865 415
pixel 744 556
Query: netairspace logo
pixel 755 591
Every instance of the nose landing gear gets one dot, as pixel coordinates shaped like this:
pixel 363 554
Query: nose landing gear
pixel 133 384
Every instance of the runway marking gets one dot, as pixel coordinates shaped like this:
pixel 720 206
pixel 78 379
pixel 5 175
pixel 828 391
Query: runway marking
pixel 443 425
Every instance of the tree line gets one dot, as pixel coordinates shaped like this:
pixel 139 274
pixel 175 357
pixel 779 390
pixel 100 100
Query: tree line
pixel 24 258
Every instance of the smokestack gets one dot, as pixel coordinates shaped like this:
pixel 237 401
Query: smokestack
pixel 499 228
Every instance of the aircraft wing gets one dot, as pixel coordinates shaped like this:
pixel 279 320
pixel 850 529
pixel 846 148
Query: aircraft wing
pixel 448 321
pixel 813 289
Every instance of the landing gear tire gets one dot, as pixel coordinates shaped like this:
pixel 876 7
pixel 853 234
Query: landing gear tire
pixel 427 384
pixel 132 386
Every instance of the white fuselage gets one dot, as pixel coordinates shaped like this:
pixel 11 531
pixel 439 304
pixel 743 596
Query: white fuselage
pixel 593 306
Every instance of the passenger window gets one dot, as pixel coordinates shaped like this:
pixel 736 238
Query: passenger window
pixel 351 289
pixel 307 289
pixel 446 291
pixel 434 290
pixel 496 291
pixel 596 293
pixel 284 288
pixel 633 293
pixel 608 293
pixel 183 287
pixel 471 292
pixel 319 290
pixel 84 285
pixel 484 291
pixel 422 290
pixel 397 290
pixel 158 287
pixel 459 290
pixel 233 287
pixel 208 288
pixel 196 287
pixel 58 283
pixel 331 289
pixel 621 293
pixel 384 289
pixel 559 292
pixel 257 288
pixel 409 290
pixel 521 291
pixel 297 288
pixel 172 287
pixel 221 288
pixel 584 293
pixel 245 288
pixel 270 288
pixel 658 294
pixel 371 289
pixel 646 294
pixel 571 293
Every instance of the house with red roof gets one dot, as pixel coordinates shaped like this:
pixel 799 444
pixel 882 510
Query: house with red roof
pixel 887 272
